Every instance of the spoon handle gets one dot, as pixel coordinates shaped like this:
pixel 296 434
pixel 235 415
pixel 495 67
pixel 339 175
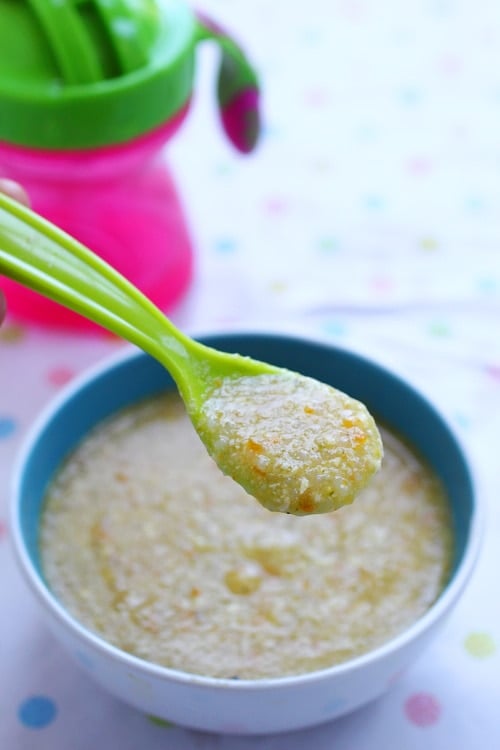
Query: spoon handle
pixel 238 90
pixel 42 257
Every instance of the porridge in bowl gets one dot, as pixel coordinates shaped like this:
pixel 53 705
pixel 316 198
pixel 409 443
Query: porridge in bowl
pixel 148 544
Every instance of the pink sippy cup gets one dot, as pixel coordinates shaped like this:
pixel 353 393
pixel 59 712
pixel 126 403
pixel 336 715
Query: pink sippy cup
pixel 90 92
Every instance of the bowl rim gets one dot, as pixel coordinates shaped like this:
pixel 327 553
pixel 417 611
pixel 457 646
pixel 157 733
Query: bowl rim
pixel 436 612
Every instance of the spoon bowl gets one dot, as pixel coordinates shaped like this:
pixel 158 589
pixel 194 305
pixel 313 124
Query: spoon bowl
pixel 297 445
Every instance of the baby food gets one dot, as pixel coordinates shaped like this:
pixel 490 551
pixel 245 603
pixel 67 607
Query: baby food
pixel 147 543
pixel 297 445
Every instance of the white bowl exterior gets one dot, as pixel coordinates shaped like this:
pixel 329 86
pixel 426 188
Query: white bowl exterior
pixel 230 708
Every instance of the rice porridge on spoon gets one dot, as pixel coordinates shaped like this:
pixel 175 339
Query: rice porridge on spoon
pixel 148 544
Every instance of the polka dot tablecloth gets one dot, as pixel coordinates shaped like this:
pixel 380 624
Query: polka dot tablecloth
pixel 369 216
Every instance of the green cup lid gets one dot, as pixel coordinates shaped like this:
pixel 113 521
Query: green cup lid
pixel 88 73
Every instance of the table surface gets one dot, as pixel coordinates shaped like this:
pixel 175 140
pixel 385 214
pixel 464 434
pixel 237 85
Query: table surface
pixel 370 217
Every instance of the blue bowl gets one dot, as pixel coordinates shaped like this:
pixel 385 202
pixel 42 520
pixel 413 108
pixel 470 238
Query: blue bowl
pixel 227 705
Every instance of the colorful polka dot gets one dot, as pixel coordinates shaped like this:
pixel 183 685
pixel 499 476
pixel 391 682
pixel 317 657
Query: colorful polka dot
pixel 439 329
pixel 335 328
pixel 368 132
pixel 374 202
pixel 278 287
pixel 160 722
pixel 409 96
pixel 84 660
pixel 488 285
pixel 474 204
pixel 310 36
pixel 423 709
pixel 402 37
pixel 353 10
pixel 333 705
pixel 419 166
pixel 273 131
pixel 429 244
pixel 493 371
pixel 442 7
pixel 7 427
pixel 316 97
pixel 382 284
pixel 276 205
pixel 37 712
pixel 223 169
pixel 327 245
pixel 462 420
pixel 480 645
pixel 451 65
pixel 60 375
pixel 226 245
pixel 12 334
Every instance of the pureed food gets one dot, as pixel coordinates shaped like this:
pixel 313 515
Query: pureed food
pixel 295 444
pixel 146 542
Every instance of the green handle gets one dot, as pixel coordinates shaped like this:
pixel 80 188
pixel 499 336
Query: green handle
pixel 44 258
pixel 238 90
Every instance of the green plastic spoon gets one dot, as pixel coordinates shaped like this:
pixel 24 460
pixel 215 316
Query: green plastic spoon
pixel 297 445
